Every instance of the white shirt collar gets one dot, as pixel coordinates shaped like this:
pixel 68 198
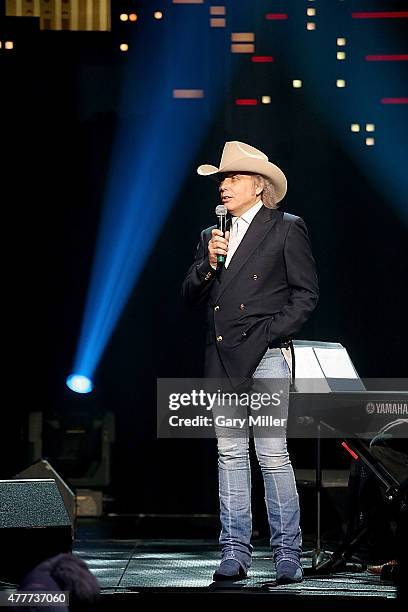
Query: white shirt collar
pixel 249 214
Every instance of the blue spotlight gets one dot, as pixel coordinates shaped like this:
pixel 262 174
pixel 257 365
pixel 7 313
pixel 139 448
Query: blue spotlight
pixel 79 383
pixel 153 152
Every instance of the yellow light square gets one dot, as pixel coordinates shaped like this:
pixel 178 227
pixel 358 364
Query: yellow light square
pixel 311 12
pixel 370 127
pixel 310 25
pixel 241 37
pixel 370 142
pixel 341 83
pixel 297 83
pixel 242 48
pixel 341 42
pixel 9 44
pixel 266 99
pixel 124 17
pixel 217 10
pixel 341 55
pixel 218 22
pixel 355 127
pixel 124 47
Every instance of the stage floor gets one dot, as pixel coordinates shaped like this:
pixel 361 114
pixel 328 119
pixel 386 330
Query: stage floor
pixel 164 567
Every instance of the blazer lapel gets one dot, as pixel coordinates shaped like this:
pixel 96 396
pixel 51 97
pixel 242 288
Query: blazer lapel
pixel 261 224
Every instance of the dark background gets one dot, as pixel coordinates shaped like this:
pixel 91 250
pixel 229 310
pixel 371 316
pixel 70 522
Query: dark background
pixel 60 93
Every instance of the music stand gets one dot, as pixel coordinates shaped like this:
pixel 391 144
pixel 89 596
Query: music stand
pixel 322 367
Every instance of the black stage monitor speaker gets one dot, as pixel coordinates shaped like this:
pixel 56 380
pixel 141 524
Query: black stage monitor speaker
pixel 42 469
pixel 34 525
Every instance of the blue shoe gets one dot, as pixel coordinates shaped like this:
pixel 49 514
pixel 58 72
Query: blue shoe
pixel 229 570
pixel 288 572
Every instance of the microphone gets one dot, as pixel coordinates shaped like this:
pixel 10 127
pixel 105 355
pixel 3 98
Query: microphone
pixel 221 212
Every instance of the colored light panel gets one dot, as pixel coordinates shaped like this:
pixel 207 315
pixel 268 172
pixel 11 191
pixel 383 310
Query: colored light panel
pixel 188 93
pixel 218 22
pixel 217 10
pixel 276 16
pixel 242 37
pixel 262 59
pixel 387 58
pixel 380 15
pixel 246 102
pixel 394 100
pixel 242 48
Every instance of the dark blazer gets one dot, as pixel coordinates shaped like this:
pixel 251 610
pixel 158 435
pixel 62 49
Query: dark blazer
pixel 261 300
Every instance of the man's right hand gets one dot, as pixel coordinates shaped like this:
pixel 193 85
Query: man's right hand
pixel 218 245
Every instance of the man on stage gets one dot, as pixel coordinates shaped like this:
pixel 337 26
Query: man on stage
pixel 256 303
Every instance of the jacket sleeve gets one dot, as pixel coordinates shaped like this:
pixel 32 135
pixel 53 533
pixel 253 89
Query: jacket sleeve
pixel 200 275
pixel 302 280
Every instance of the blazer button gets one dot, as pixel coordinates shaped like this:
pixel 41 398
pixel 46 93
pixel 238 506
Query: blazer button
pixel 219 338
pixel 255 276
pixel 216 307
pixel 242 306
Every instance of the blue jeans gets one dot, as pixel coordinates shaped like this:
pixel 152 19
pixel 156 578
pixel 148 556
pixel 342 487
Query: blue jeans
pixel 281 497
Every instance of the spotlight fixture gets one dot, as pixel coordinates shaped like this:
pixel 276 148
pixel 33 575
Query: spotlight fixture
pixel 79 383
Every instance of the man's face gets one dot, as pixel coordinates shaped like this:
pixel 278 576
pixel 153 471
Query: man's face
pixel 238 192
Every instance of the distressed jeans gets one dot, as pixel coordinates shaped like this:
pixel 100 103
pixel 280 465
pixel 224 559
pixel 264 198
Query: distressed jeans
pixel 281 497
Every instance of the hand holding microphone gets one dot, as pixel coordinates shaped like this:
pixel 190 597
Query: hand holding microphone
pixel 218 245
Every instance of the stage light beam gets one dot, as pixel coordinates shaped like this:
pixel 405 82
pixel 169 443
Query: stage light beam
pixel 79 383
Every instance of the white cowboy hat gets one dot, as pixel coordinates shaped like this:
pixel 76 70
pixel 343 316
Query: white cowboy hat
pixel 241 157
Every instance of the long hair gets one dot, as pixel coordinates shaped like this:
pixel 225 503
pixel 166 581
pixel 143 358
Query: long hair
pixel 269 197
